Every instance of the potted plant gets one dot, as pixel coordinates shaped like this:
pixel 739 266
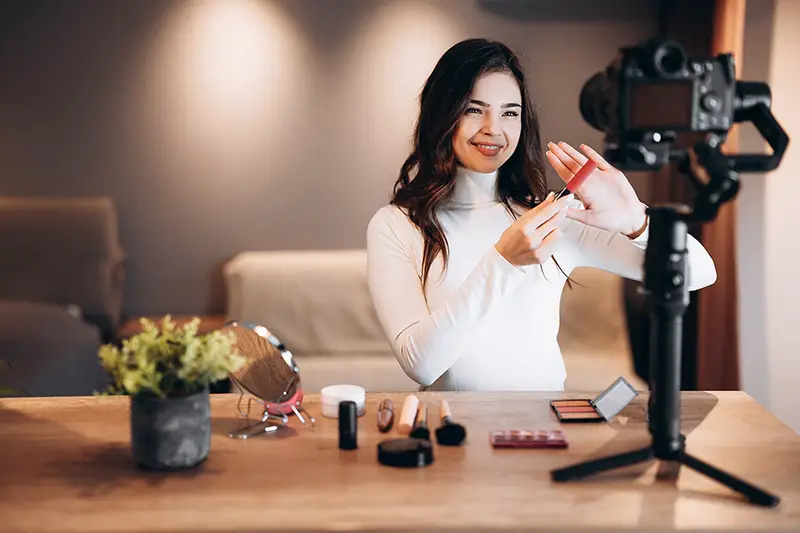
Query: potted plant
pixel 167 372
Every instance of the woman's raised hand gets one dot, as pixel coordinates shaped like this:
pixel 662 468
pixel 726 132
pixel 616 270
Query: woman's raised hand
pixel 611 203
pixel 533 237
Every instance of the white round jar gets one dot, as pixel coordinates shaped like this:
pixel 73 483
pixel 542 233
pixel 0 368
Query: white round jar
pixel 333 395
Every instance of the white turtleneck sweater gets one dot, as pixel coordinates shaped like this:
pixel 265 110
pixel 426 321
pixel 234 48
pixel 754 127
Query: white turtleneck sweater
pixel 486 324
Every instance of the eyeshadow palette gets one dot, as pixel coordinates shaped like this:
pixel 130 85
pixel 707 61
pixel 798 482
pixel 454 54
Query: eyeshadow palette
pixel 601 409
pixel 536 438
pixel 576 411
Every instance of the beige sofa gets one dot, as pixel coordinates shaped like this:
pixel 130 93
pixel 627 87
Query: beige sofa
pixel 317 302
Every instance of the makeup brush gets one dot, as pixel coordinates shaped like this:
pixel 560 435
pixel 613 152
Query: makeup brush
pixel 577 180
pixel 449 433
pixel 421 430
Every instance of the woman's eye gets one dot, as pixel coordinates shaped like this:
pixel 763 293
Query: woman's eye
pixel 473 110
pixel 511 114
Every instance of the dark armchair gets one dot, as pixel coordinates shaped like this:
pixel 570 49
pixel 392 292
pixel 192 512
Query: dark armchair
pixel 61 273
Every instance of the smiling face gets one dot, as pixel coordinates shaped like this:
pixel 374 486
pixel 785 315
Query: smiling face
pixel 489 131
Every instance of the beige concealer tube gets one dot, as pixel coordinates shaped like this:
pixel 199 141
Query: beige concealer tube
pixel 408 415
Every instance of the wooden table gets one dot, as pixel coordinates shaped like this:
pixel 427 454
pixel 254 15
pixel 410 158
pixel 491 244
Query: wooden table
pixel 65 465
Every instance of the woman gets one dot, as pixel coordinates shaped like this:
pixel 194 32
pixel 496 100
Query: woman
pixel 468 261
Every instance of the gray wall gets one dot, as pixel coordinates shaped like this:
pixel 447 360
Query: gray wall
pixel 219 127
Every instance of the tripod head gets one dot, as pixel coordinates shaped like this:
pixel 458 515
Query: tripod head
pixel 716 175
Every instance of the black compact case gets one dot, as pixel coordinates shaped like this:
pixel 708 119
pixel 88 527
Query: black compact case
pixel 405 452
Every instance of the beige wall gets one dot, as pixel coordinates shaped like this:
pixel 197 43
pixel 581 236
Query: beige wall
pixel 751 223
pixel 783 240
pixel 769 246
pixel 225 126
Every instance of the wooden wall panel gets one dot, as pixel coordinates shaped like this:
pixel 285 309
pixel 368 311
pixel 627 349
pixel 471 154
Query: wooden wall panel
pixel 717 313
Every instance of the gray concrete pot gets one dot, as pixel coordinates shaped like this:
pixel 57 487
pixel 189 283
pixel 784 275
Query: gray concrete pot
pixel 170 433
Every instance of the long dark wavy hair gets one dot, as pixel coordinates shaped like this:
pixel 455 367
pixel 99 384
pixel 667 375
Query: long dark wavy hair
pixel 443 102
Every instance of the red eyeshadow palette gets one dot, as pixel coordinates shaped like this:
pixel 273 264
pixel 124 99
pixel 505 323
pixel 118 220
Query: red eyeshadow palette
pixel 535 438
pixel 601 409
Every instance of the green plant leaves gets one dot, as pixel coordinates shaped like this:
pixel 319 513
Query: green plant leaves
pixel 170 360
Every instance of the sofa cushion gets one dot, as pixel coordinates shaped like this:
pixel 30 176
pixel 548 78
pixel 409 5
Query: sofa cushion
pixel 316 302
pixel 375 374
pixel 47 351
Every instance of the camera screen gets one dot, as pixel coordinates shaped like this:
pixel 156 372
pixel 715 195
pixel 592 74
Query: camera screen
pixel 661 105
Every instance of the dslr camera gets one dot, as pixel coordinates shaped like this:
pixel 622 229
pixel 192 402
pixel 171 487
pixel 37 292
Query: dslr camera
pixel 651 92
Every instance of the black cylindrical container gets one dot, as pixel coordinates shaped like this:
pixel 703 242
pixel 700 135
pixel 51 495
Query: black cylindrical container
pixel 348 425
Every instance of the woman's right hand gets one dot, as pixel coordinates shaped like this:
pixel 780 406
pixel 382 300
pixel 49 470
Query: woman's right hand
pixel 532 238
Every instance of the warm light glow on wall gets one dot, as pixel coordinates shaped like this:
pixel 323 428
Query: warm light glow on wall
pixel 227 73
pixel 234 88
pixel 397 52
pixel 388 59
pixel 236 54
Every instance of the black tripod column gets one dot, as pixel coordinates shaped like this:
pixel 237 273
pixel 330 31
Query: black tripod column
pixel 668 298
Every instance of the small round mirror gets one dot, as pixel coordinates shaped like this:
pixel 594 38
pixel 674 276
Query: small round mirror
pixel 269 375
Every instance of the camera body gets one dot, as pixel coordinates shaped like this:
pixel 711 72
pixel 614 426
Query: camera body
pixel 653 91
pixel 663 90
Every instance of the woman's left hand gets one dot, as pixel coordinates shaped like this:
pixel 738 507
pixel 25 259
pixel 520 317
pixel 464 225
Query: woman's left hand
pixel 610 201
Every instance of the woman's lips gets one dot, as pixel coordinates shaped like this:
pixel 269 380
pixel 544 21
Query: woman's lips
pixel 488 150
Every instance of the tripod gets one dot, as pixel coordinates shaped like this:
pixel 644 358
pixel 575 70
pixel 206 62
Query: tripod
pixel 668 297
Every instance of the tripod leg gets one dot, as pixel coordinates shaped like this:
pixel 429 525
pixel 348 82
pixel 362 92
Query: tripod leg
pixel 751 492
pixel 597 466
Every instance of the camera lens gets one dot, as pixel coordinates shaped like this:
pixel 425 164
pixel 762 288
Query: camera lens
pixel 595 102
pixel 669 59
